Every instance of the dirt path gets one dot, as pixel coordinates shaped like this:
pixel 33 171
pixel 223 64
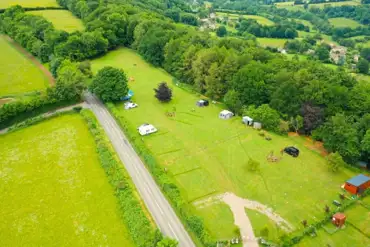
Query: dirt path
pixel 30 57
pixel 46 114
pixel 237 206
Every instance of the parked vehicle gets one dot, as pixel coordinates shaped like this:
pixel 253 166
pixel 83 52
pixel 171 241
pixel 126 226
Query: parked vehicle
pixel 130 105
pixel 292 151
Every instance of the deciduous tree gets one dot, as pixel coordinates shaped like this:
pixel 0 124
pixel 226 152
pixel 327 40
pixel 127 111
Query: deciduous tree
pixel 163 93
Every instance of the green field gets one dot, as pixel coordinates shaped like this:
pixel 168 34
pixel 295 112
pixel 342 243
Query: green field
pixel 53 189
pixel 208 156
pixel 17 73
pixel 61 19
pixel 260 19
pixel 344 22
pixel 272 42
pixel 260 221
pixel 291 6
pixel 28 3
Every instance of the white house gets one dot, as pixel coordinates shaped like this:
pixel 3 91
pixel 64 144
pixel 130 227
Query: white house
pixel 247 120
pixel 146 129
pixel 225 114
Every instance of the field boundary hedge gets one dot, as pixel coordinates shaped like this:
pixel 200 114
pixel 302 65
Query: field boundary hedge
pixel 37 8
pixel 193 223
pixel 131 212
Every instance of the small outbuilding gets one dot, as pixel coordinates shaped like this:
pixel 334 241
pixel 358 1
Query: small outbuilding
pixel 358 184
pixel 146 129
pixel 339 219
pixel 202 103
pixel 225 114
pixel 257 125
pixel 247 120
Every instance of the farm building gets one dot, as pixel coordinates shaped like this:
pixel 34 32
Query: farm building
pixel 225 114
pixel 202 103
pixel 146 129
pixel 339 219
pixel 358 184
pixel 247 120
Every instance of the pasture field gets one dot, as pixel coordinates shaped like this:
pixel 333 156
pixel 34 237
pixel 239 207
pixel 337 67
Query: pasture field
pixel 272 42
pixel 344 22
pixel 291 6
pixel 54 191
pixel 18 74
pixel 61 19
pixel 207 156
pixel 260 19
pixel 28 3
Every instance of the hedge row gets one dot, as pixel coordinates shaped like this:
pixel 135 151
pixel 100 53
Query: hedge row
pixel 37 8
pixel 130 209
pixel 166 183
pixel 18 111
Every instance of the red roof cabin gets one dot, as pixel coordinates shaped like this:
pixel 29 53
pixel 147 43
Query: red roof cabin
pixel 339 219
pixel 358 184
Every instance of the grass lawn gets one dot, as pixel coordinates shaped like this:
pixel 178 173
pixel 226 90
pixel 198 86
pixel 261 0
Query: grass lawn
pixel 360 217
pixel 208 156
pixel 344 22
pixel 346 237
pixel 28 3
pixel 291 6
pixel 272 42
pixel 53 189
pixel 17 73
pixel 260 19
pixel 304 22
pixel 260 221
pixel 61 19
pixel 328 39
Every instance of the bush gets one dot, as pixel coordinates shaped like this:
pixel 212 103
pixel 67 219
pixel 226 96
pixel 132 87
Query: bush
pixel 77 108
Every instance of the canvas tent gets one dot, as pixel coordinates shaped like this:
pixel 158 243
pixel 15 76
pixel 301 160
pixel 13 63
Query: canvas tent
pixel 128 96
pixel 225 114
pixel 202 103
pixel 247 120
pixel 146 129
pixel 257 125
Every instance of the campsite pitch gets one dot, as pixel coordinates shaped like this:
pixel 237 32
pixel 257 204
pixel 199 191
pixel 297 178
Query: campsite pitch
pixel 18 74
pixel 208 156
pixel 53 189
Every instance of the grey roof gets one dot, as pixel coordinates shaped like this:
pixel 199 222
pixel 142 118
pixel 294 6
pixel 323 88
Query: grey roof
pixel 358 180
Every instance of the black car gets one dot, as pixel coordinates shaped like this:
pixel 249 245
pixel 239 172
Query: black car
pixel 292 151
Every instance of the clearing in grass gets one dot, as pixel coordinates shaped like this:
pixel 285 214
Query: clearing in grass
pixel 260 19
pixel 28 3
pixel 61 19
pixel 208 156
pixel 344 22
pixel 18 74
pixel 271 42
pixel 54 191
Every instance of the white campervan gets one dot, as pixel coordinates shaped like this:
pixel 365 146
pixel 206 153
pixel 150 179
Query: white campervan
pixel 146 129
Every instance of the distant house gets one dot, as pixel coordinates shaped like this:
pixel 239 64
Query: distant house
pixel 225 114
pixel 338 54
pixel 358 184
pixel 146 129
pixel 212 15
pixel 356 58
pixel 248 120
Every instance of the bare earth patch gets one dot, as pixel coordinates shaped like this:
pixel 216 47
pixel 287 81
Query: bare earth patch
pixel 5 100
pixel 237 206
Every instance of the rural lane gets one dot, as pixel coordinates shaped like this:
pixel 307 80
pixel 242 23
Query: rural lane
pixel 155 201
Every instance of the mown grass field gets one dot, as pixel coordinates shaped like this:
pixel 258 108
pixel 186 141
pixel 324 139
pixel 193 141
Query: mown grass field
pixel 344 22
pixel 53 189
pixel 18 74
pixel 208 156
pixel 272 42
pixel 28 3
pixel 260 221
pixel 291 6
pixel 260 19
pixel 61 19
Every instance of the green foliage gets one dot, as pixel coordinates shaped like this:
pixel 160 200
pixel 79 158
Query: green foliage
pixel 167 242
pixel 296 123
pixel 269 117
pixel 232 101
pixel 110 84
pixel 221 31
pixel 363 66
pixel 130 208
pixel 335 161
pixel 163 93
pixel 253 165
pixel 264 232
